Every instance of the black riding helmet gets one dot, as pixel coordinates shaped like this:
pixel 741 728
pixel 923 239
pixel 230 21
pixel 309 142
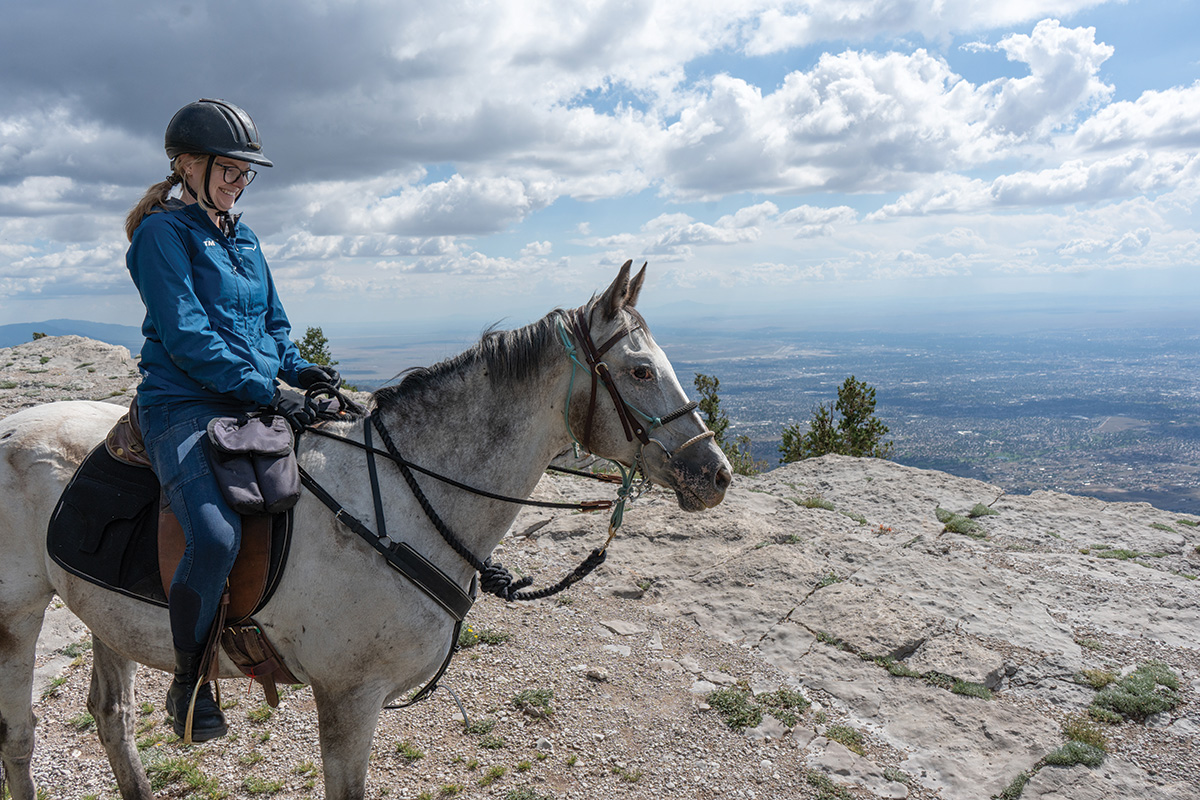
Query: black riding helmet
pixel 215 128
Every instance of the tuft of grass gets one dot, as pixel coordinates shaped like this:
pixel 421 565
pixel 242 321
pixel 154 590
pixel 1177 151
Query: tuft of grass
pixel 828 579
pixel 480 726
pixel 785 705
pixel 260 714
pixel 1162 526
pixel 980 510
pixel 534 703
pixel 971 689
pixel 1015 787
pixel 76 649
pixel 52 688
pixel 628 775
pixel 897 668
pixel 525 793
pixel 493 742
pixel 815 501
pixel 409 752
pixel 167 771
pixel 251 758
pixel 1191 523
pixel 1095 678
pixel 81 722
pixel 493 774
pixel 851 738
pixel 826 788
pixel 736 707
pixel 1151 688
pixel 1121 553
pixel 253 784
pixel 957 523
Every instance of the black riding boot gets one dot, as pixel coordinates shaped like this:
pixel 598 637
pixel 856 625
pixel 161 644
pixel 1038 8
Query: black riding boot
pixel 207 720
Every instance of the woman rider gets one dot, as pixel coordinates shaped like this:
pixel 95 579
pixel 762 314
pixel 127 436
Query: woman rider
pixel 216 341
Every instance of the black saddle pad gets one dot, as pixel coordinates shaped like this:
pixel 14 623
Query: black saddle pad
pixel 105 529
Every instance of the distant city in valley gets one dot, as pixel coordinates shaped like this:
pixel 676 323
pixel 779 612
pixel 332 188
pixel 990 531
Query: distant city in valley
pixel 1112 413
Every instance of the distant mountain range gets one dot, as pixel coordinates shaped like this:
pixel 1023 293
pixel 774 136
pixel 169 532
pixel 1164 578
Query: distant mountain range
pixel 129 336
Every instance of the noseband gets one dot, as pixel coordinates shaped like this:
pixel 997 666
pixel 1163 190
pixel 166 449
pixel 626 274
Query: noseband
pixel 635 422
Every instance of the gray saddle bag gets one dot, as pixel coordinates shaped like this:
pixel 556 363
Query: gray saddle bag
pixel 254 460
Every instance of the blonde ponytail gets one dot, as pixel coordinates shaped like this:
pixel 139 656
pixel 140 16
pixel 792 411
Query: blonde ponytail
pixel 155 196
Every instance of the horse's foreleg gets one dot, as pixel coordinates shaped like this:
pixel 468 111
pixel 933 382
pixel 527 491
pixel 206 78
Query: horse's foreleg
pixel 112 704
pixel 18 648
pixel 346 720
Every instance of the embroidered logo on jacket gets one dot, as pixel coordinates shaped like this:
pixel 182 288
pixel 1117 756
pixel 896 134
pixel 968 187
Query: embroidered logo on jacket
pixel 209 243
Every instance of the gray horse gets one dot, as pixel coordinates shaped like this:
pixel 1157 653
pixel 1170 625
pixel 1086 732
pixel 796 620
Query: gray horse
pixel 493 417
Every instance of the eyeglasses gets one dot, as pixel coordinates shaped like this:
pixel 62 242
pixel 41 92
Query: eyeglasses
pixel 232 173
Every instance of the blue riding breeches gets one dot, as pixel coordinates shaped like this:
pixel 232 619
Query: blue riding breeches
pixel 176 441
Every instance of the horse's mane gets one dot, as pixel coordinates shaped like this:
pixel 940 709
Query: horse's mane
pixel 507 355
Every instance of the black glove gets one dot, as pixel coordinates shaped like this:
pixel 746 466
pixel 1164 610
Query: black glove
pixel 289 408
pixel 319 373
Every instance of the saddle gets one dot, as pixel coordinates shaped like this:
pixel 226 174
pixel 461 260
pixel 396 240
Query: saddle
pixel 112 527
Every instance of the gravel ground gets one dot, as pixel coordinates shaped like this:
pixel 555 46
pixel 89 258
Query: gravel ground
pixel 625 721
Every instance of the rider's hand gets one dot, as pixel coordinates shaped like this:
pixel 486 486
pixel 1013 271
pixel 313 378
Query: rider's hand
pixel 289 408
pixel 319 373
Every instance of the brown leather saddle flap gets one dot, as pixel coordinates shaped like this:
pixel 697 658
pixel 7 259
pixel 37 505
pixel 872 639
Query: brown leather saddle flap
pixel 247 579
pixel 124 441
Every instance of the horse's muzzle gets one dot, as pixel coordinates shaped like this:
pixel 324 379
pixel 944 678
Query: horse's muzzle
pixel 699 474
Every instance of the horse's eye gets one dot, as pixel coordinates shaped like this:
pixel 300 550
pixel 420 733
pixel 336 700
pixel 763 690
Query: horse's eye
pixel 643 373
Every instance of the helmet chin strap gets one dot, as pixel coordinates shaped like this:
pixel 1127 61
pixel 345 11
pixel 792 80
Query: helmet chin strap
pixel 225 221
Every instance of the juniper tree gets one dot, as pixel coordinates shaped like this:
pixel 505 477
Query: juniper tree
pixel 854 432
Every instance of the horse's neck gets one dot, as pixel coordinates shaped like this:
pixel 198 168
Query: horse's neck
pixel 496 438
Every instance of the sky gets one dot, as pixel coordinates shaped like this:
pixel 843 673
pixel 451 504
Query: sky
pixel 473 162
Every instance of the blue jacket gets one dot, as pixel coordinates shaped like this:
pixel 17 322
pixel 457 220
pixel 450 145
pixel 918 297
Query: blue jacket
pixel 215 329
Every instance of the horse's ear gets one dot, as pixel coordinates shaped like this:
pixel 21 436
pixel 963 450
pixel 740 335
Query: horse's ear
pixel 616 295
pixel 635 287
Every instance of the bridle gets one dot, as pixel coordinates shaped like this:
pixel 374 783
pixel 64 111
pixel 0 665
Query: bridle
pixel 632 420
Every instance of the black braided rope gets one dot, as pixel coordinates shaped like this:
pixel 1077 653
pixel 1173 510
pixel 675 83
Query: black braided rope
pixel 494 578
pixel 687 408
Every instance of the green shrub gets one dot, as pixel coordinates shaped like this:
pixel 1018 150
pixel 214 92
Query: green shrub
pixel 1150 689
pixel 971 689
pixel 534 703
pixel 980 510
pixel 736 707
pixel 1073 753
pixel 1078 729
pixel 957 523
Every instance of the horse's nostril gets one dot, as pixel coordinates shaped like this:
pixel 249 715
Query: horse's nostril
pixel 723 479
